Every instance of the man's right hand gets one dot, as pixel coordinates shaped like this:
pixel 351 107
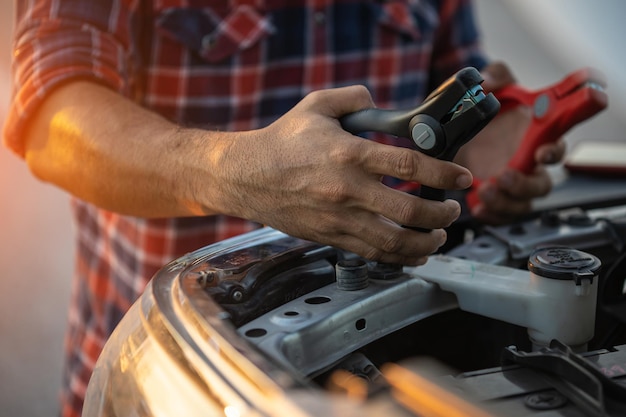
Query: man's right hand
pixel 309 178
pixel 303 174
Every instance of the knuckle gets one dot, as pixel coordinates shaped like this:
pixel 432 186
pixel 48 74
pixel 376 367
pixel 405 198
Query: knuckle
pixel 364 96
pixel 347 154
pixel 316 98
pixel 335 192
pixel 406 164
pixel 374 254
pixel 325 225
pixel 392 243
pixel 361 89
pixel 314 95
pixel 408 212
pixel 331 223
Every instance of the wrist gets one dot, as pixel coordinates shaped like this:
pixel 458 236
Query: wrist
pixel 208 168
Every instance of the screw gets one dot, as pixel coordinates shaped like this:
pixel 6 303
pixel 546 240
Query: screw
pixel 237 296
pixel 205 278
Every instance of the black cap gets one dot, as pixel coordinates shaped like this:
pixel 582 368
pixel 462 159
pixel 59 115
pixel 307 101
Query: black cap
pixel 558 262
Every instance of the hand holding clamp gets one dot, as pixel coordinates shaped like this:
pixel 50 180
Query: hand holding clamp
pixel 555 110
pixel 447 119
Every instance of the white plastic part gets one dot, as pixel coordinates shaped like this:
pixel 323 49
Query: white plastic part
pixel 548 308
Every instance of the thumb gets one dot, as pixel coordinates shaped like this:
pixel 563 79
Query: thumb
pixel 336 102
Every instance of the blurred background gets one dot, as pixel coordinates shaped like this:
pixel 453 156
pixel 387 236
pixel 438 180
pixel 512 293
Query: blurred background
pixel 35 267
pixel 542 41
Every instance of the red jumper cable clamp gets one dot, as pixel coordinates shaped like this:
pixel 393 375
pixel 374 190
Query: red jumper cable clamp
pixel 555 110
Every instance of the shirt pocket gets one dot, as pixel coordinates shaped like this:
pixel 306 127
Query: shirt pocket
pixel 413 20
pixel 212 33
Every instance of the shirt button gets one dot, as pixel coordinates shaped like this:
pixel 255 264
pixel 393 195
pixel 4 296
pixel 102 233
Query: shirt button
pixel 208 42
pixel 320 18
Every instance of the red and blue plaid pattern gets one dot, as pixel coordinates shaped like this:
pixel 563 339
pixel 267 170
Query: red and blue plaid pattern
pixel 227 64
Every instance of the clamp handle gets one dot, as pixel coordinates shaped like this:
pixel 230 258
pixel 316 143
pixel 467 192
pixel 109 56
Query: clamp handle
pixel 426 132
pixel 555 110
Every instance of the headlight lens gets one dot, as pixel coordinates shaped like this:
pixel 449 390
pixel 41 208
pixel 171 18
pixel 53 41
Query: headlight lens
pixel 142 370
pixel 174 354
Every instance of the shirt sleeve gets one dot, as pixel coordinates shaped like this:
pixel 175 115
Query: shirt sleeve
pixel 457 42
pixel 59 40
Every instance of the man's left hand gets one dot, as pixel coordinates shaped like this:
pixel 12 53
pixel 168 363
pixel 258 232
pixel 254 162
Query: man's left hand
pixel 486 156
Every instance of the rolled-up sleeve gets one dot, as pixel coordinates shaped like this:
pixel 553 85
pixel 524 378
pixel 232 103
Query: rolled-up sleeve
pixel 56 41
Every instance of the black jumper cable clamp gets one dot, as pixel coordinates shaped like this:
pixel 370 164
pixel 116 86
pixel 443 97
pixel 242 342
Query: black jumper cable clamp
pixel 447 119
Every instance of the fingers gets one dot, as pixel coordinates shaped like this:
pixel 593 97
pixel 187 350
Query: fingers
pixel 402 163
pixel 374 160
pixel 525 187
pixel 330 190
pixel 551 153
pixel 374 229
pixel 337 102
pixel 497 205
pixel 411 165
pixel 380 239
pixel 409 210
pixel 511 195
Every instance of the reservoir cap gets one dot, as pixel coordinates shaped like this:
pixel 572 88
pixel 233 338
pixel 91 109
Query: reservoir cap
pixel 558 262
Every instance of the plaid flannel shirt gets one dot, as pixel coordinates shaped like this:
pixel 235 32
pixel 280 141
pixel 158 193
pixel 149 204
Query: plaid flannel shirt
pixel 228 64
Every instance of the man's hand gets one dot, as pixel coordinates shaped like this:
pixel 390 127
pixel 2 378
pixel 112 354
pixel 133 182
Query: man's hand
pixel 303 174
pixel 512 192
pixel 308 177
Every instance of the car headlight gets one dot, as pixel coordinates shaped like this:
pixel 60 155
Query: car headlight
pixel 176 353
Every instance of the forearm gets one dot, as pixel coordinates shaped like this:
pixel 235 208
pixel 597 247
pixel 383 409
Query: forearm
pixel 302 174
pixel 109 151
